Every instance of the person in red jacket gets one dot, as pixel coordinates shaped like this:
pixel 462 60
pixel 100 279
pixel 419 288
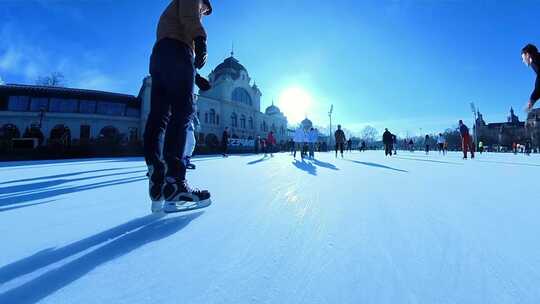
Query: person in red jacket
pixel 466 140
pixel 270 143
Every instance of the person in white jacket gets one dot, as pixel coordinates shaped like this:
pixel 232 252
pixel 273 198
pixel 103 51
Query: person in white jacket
pixel 441 141
pixel 299 140
pixel 312 140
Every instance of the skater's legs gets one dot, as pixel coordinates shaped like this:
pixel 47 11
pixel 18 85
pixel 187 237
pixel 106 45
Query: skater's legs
pixel 190 141
pixel 176 76
pixel 465 145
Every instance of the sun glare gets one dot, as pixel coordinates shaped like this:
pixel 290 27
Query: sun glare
pixel 295 103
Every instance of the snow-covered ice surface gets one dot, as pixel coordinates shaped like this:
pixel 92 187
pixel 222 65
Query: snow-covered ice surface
pixel 364 229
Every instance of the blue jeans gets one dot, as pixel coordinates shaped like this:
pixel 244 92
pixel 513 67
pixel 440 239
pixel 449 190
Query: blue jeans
pixel 173 76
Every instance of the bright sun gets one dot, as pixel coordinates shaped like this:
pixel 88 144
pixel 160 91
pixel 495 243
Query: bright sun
pixel 295 103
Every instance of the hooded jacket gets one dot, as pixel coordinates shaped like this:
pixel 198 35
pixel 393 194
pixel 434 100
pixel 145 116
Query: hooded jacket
pixel 181 21
pixel 299 135
pixel 340 136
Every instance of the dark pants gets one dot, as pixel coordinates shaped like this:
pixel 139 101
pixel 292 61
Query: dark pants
pixel 467 145
pixel 173 75
pixel 339 147
pixel 388 149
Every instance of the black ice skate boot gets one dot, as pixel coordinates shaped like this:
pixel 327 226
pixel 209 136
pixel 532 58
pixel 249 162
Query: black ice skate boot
pixel 180 197
pixel 156 178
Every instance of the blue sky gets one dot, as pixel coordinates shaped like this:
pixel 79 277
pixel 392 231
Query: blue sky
pixel 405 65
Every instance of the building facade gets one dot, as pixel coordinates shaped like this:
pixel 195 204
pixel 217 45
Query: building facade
pixel 235 102
pixel 512 131
pixel 68 116
pixel 73 116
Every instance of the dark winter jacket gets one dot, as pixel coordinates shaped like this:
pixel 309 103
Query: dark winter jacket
pixel 340 137
pixel 463 130
pixel 536 67
pixel 387 138
pixel 225 138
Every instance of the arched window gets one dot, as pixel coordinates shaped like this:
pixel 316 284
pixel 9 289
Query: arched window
pixel 251 123
pixel 206 117
pixel 212 116
pixel 243 121
pixel 234 120
pixel 265 127
pixel 242 96
pixel 274 127
pixel 282 130
pixel 9 131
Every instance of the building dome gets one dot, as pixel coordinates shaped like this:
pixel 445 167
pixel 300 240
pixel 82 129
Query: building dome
pixel 229 66
pixel 272 110
pixel 307 124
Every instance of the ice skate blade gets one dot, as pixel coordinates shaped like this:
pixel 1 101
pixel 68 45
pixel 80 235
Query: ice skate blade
pixel 183 206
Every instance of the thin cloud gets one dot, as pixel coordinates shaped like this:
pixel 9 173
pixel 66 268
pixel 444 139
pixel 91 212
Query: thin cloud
pixel 24 59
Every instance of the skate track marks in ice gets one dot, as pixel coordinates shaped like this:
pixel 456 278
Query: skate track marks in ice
pixel 363 229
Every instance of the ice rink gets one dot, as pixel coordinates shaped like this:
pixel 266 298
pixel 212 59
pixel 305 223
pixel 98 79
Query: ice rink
pixel 363 229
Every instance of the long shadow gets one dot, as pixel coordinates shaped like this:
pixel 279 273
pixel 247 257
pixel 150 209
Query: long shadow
pixel 258 160
pixel 378 166
pixel 41 185
pixel 51 163
pixel 26 205
pixel 126 238
pixel 324 164
pixel 428 160
pixel 19 199
pixel 67 175
pixel 305 166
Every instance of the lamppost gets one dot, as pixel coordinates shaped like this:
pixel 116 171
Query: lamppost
pixel 330 116
pixel 475 133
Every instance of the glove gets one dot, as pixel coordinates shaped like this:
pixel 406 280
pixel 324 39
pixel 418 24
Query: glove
pixel 202 83
pixel 200 52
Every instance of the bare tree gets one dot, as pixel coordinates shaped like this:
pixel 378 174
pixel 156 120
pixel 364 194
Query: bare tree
pixel 369 134
pixel 55 79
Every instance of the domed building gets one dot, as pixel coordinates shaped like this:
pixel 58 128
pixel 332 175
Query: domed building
pixel 235 102
pixel 307 124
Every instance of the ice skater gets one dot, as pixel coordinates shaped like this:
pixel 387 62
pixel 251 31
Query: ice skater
pixel 441 141
pixel 312 135
pixel 426 143
pixel 531 57
pixel 394 143
pixel 340 138
pixel 466 142
pixel 225 142
pixel 388 142
pixel 270 143
pixel 180 50
pixel 299 138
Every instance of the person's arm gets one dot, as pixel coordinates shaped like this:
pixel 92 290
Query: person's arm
pixel 189 12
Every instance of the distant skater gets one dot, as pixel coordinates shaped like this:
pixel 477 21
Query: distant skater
pixel 426 143
pixel 340 140
pixel 441 141
pixel 299 138
pixel 270 144
pixel 312 135
pixel 387 141
pixel 225 142
pixel 394 143
pixel 466 142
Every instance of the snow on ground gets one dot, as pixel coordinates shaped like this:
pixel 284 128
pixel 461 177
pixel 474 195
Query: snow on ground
pixel 364 229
